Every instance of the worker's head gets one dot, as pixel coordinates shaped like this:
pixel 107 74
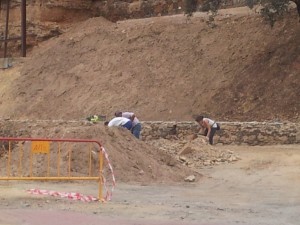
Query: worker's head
pixel 199 118
pixel 106 123
pixel 118 113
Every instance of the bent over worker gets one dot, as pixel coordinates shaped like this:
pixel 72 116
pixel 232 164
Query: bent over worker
pixel 136 125
pixel 119 122
pixel 210 127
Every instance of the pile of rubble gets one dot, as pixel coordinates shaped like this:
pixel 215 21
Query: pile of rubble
pixel 196 153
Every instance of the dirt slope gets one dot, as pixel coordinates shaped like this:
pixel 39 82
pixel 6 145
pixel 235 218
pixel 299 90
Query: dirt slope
pixel 163 69
pixel 132 160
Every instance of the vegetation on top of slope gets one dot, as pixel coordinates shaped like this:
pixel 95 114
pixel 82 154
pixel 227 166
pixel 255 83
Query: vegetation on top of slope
pixel 270 10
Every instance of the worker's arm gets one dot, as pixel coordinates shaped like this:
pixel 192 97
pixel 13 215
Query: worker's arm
pixel 201 130
pixel 206 124
pixel 132 117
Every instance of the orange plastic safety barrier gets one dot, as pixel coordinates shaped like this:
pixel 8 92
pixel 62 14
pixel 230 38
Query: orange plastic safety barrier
pixel 52 159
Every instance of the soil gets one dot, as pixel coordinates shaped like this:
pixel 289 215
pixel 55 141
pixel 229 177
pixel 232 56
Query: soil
pixel 164 68
pixel 133 160
pixel 262 188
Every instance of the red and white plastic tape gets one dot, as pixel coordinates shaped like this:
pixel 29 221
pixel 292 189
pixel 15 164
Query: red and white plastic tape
pixel 68 195
pixel 81 197
pixel 113 181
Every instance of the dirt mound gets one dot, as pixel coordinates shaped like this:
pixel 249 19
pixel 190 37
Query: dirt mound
pixel 163 69
pixel 132 160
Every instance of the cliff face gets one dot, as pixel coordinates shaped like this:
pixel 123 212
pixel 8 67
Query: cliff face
pixel 46 19
pixel 49 18
pixel 62 10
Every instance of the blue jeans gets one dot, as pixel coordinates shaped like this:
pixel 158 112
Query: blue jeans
pixel 136 130
pixel 128 125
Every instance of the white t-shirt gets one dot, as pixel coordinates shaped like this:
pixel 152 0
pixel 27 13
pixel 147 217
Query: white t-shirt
pixel 118 121
pixel 128 115
pixel 211 122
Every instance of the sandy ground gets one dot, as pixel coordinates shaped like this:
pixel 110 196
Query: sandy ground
pixel 262 188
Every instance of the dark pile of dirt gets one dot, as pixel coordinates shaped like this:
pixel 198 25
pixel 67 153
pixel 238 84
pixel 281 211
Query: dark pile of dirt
pixel 162 69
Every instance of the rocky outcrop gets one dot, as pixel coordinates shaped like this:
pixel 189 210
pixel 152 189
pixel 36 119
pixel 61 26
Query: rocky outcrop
pixel 46 19
pixel 60 10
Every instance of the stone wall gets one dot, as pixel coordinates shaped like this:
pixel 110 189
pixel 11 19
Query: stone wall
pixel 251 133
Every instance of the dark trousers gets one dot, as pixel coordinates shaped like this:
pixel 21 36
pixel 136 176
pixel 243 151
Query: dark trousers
pixel 211 135
pixel 128 125
pixel 136 130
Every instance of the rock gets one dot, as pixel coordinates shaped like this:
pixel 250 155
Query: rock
pixel 232 158
pixel 183 159
pixel 207 163
pixel 186 149
pixel 171 162
pixel 192 137
pixel 190 178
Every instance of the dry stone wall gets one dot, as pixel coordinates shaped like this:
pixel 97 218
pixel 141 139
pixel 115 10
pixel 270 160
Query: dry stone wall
pixel 250 133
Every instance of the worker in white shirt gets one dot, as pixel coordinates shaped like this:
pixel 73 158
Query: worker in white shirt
pixel 119 122
pixel 136 125
pixel 210 127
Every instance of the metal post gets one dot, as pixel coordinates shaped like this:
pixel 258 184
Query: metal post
pixel 6 27
pixel 23 28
